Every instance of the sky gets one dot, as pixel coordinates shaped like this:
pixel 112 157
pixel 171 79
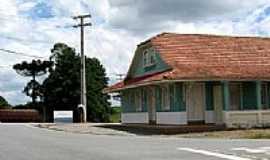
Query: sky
pixel 34 26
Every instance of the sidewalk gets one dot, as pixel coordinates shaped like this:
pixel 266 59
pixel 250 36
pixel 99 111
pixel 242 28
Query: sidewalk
pixel 85 128
pixel 129 129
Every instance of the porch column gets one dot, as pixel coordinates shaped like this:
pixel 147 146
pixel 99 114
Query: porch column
pixel 258 95
pixel 226 95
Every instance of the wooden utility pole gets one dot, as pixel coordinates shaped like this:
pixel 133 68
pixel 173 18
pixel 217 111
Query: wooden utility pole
pixel 83 77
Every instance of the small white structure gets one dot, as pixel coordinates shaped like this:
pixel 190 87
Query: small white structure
pixel 63 116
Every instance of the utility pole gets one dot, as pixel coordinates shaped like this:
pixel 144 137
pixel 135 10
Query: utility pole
pixel 83 78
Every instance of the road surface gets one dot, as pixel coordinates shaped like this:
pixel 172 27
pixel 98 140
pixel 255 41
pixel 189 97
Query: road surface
pixel 23 142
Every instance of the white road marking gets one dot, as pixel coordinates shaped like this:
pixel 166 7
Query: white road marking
pixel 214 154
pixel 265 150
pixel 249 150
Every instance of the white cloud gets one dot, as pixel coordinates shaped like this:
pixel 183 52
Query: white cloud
pixel 26 6
pixel 118 26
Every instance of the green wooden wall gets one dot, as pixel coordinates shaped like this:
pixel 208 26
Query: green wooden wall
pixel 176 99
pixel 137 69
pixel 249 99
pixel 249 95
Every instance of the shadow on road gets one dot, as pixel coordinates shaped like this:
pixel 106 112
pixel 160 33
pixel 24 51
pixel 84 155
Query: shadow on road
pixel 141 129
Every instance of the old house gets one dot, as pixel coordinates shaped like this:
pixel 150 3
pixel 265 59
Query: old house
pixel 192 78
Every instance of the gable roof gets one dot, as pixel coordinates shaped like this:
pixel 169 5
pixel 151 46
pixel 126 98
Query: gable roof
pixel 208 57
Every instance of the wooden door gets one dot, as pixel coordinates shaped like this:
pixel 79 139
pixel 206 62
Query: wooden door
pixel 151 105
pixel 195 102
pixel 218 105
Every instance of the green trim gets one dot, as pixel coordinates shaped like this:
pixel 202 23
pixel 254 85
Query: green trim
pixel 172 97
pixel 180 105
pixel 268 89
pixel 209 96
pixel 144 100
pixel 241 97
pixel 226 95
pixel 158 94
pixel 258 95
pixel 149 68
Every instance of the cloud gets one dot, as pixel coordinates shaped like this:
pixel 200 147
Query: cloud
pixel 33 26
pixel 142 16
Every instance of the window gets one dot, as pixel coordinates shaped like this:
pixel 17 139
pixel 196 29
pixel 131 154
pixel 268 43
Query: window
pixel 145 55
pixel 149 58
pixel 165 98
pixel 264 94
pixel 152 58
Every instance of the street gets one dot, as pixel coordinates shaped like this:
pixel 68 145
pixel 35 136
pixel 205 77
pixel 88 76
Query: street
pixel 24 142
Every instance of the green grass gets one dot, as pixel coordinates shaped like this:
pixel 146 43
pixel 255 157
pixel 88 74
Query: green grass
pixel 258 136
pixel 116 115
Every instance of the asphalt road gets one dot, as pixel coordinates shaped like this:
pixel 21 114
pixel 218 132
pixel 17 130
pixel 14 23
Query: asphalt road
pixel 22 142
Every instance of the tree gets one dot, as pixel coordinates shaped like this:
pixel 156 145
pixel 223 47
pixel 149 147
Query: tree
pixel 33 69
pixel 98 107
pixel 62 87
pixel 3 103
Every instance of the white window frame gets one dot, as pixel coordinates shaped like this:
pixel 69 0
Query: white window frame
pixel 149 58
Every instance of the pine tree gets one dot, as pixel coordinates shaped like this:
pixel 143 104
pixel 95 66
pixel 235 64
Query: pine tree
pixel 33 69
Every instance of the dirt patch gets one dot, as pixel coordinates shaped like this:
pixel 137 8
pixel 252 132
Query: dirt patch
pixel 233 134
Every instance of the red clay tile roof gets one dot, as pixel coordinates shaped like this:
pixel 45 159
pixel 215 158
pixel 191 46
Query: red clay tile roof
pixel 211 57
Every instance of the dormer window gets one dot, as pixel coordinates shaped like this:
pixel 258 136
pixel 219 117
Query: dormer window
pixel 148 58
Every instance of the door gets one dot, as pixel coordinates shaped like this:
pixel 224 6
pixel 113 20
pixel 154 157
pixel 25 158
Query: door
pixel 218 109
pixel 151 105
pixel 195 102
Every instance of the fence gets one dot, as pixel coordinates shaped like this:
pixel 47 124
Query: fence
pixel 19 115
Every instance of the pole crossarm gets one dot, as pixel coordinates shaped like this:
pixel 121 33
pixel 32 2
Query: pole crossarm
pixel 82 16
pixel 81 25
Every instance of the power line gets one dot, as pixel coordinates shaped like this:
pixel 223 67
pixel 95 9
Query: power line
pixel 24 40
pixel 6 66
pixel 67 26
pixel 21 53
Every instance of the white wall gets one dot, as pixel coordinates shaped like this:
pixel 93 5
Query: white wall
pixel 247 119
pixel 139 117
pixel 209 117
pixel 171 118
